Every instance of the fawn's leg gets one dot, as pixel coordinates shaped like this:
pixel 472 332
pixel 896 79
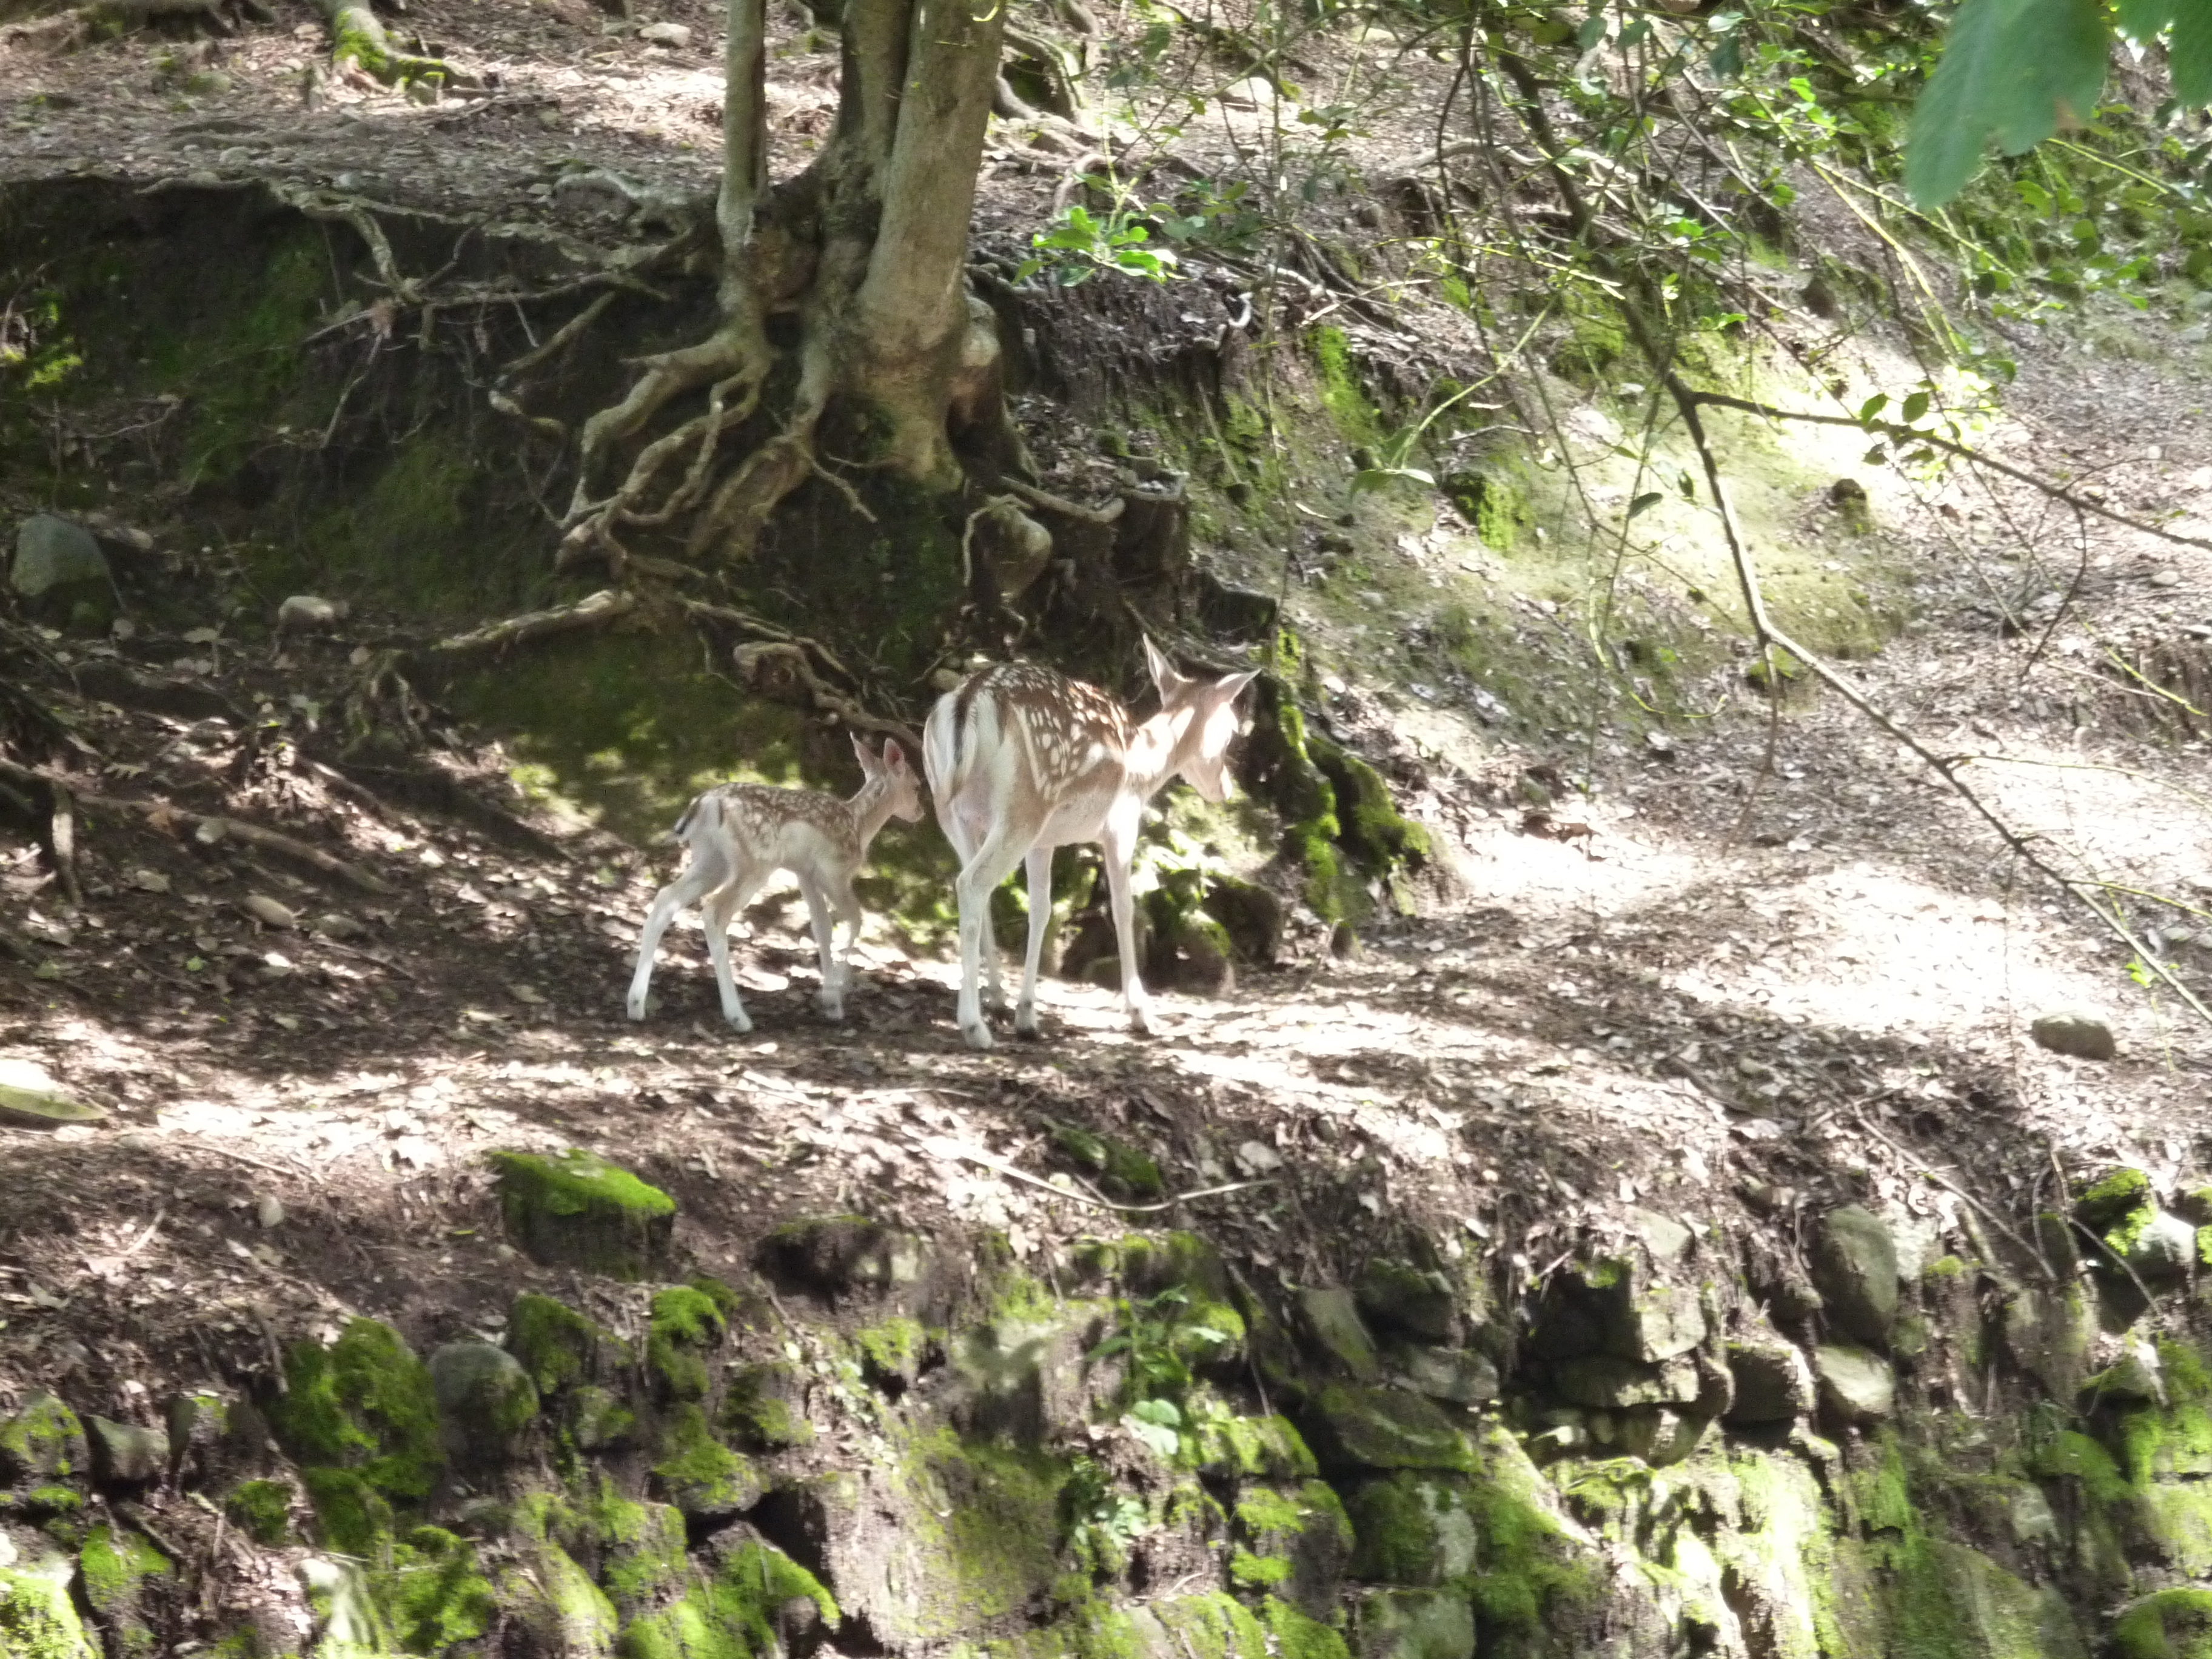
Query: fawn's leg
pixel 705 871
pixel 721 911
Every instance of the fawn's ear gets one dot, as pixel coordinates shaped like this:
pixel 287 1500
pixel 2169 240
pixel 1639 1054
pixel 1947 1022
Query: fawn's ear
pixel 1163 671
pixel 894 757
pixel 870 766
pixel 1229 687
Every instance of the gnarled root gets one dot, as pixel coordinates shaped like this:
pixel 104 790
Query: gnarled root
pixel 363 51
pixel 79 24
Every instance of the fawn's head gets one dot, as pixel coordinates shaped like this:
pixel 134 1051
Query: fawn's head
pixel 1209 720
pixel 902 787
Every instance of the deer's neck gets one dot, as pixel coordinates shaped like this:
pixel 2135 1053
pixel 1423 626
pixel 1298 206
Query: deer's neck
pixel 1158 751
pixel 870 810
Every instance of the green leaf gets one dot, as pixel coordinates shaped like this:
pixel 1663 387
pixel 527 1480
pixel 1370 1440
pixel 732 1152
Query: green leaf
pixel 1873 406
pixel 1591 33
pixel 2012 70
pixel 1378 477
pixel 2141 19
pixel 2189 53
pixel 1916 405
pixel 1635 32
pixel 1875 457
pixel 1162 1412
pixel 1645 503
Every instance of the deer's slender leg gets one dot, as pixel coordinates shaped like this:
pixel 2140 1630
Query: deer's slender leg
pixel 722 910
pixel 1039 866
pixel 706 870
pixel 830 999
pixel 1117 841
pixel 994 861
pixel 972 836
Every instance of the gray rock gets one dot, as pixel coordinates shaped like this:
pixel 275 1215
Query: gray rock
pixel 1305 1528
pixel 486 1402
pixel 1856 1385
pixel 307 613
pixel 838 1254
pixel 1328 1319
pixel 1773 1383
pixel 2164 1247
pixel 1399 1296
pixel 1662 1321
pixel 1383 1429
pixel 2134 1380
pixel 1603 1382
pixel 2083 1033
pixel 1459 1375
pixel 62 574
pixel 1664 1237
pixel 41 1444
pixel 122 1454
pixel 671 35
pixel 1414 1529
pixel 1414 1624
pixel 1855 1269
pixel 1660 1435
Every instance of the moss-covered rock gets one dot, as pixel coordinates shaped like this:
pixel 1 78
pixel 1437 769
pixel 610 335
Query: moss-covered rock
pixel 1248 1447
pixel 764 1407
pixel 835 1255
pixel 363 1404
pixel 38 1620
pixel 262 1510
pixel 551 1604
pixel 1334 1334
pixel 1858 1385
pixel 696 1473
pixel 2168 1623
pixel 1296 1540
pixel 1119 1169
pixel 1462 1376
pixel 685 1328
pixel 1353 1427
pixel 1412 1624
pixel 1396 1296
pixel 1415 1529
pixel 437 1595
pixel 558 1347
pixel 891 1350
pixel 487 1404
pixel 580 1211
pixel 119 1574
pixel 2112 1198
pixel 43 1443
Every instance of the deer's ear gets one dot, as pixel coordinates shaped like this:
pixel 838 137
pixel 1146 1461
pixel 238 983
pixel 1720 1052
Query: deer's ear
pixel 1164 672
pixel 894 757
pixel 869 764
pixel 1231 686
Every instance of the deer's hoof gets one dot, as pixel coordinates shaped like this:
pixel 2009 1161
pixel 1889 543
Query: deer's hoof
pixel 832 1007
pixel 637 1007
pixel 1140 1022
pixel 1025 1019
pixel 740 1023
pixel 978 1036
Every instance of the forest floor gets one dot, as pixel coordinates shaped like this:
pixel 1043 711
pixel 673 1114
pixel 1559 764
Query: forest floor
pixel 1785 964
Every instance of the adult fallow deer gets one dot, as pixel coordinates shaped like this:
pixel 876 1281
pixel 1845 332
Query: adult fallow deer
pixel 740 834
pixel 1021 760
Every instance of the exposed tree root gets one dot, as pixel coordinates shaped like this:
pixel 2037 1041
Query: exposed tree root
pixel 207 826
pixel 362 52
pixel 73 28
pixel 772 666
pixel 597 611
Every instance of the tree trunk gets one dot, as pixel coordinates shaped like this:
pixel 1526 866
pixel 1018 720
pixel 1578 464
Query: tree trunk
pixel 848 338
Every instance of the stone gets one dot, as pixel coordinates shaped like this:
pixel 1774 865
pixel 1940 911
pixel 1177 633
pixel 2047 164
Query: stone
pixel 1383 1428
pixel 1295 1542
pixel 1854 1261
pixel 678 36
pixel 125 1454
pixel 307 613
pixel 1773 1382
pixel 2080 1033
pixel 703 1480
pixel 1412 1624
pixel 42 1444
pixel 1414 1529
pixel 113 1567
pixel 835 1255
pixel 62 575
pixel 579 1211
pixel 2133 1379
pixel 1399 1296
pixel 2164 1247
pixel 764 1407
pixel 486 1403
pixel 2112 1198
pixel 2194 1204
pixel 1856 1385
pixel 1602 1382
pixel 2050 1333
pixel 1329 1319
pixel 1460 1375
pixel 1659 1322
pixel 1664 1237
pixel 2175 1622
pixel 1660 1435
pixel 1250 916
pixel 1252 1448
pixel 38 1619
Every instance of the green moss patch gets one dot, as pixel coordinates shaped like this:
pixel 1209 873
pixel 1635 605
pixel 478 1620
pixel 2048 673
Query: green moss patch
pixel 363 1404
pixel 580 1211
